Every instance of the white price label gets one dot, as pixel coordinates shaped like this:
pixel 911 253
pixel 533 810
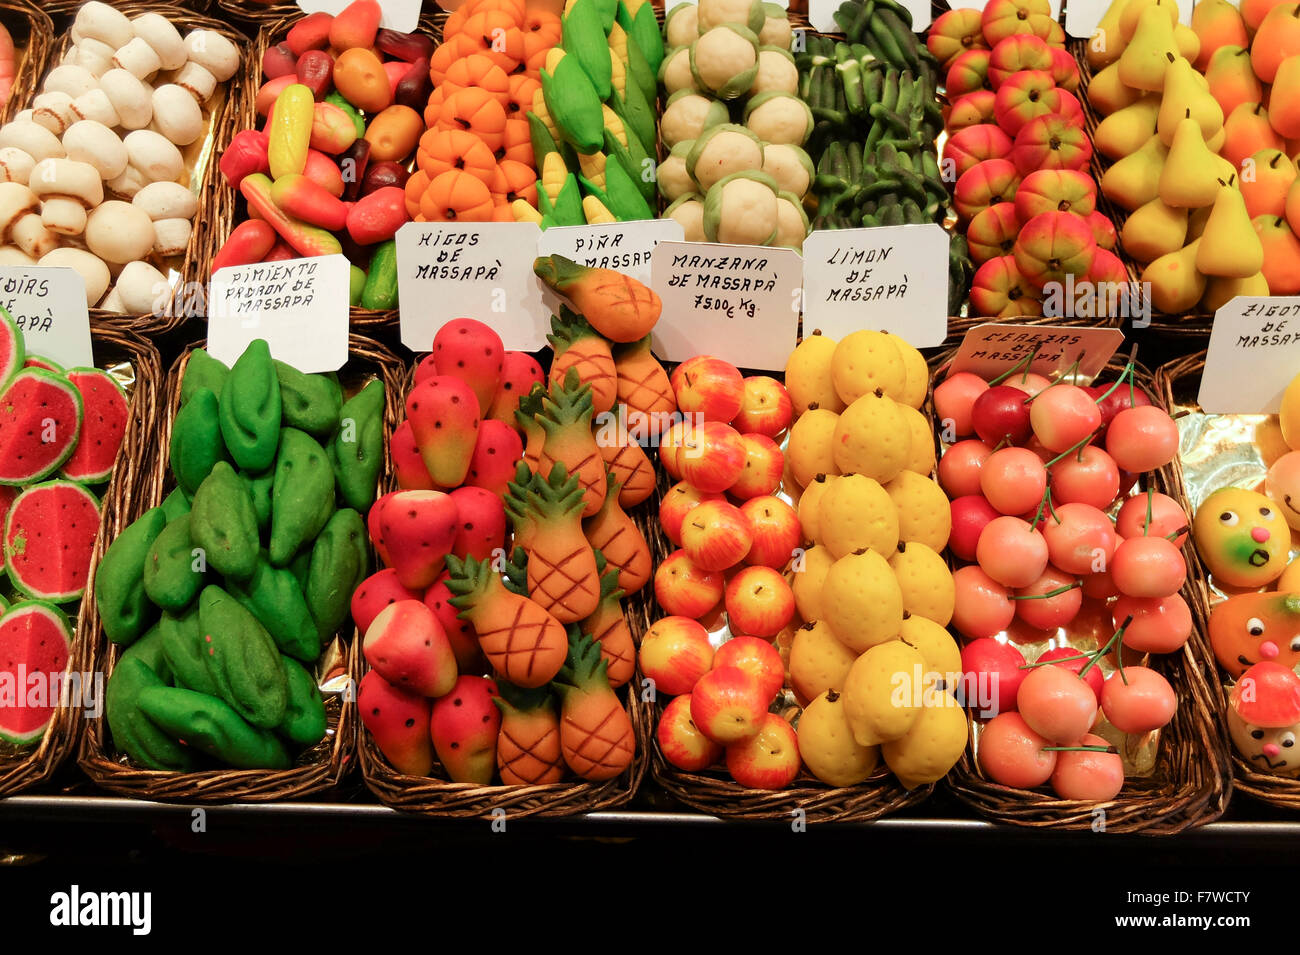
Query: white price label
pixel 49 305
pixel 1253 354
pixel 1083 16
pixel 400 15
pixel 481 270
pixel 299 306
pixel 991 349
pixel 622 246
pixel 738 302
pixel 891 278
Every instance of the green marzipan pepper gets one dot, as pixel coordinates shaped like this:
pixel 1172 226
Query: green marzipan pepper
pixel 133 732
pixel 202 371
pixel 242 659
pixel 259 488
pixel 182 643
pixel 357 449
pixel 176 503
pixel 275 598
pixel 173 573
pixel 250 408
pixel 339 563
pixel 304 720
pixel 300 567
pixel 124 607
pixel 310 403
pixel 302 497
pixel 197 444
pixel 209 725
pixel 224 523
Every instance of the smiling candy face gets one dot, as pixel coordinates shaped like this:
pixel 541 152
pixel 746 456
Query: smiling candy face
pixel 1283 486
pixel 1254 628
pixel 1264 718
pixel 1267 750
pixel 1242 537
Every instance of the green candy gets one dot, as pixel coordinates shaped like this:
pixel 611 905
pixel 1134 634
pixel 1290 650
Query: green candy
pixel 357 449
pixel 224 523
pixel 356 284
pixel 196 444
pixel 173 572
pixel 339 562
pixel 259 488
pixel 202 371
pixel 149 650
pixel 182 638
pixel 242 659
pixel 302 497
pixel 300 567
pixel 250 408
pixel 309 403
pixel 274 596
pixel 304 720
pixel 124 607
pixel 133 732
pixel 176 503
pixel 209 725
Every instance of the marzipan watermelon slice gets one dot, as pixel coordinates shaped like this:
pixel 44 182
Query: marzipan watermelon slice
pixel 49 364
pixel 49 534
pixel 12 350
pixel 7 497
pixel 103 425
pixel 35 640
pixel 40 420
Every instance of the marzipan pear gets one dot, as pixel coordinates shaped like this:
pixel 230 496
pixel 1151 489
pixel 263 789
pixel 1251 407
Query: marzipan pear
pixel 1215 142
pixel 1135 179
pixel 1189 44
pixel 1183 97
pixel 1107 43
pixel 1220 291
pixel 1175 284
pixel 1232 80
pixel 1197 219
pixel 1190 178
pixel 1149 53
pixel 1133 10
pixel 1230 247
pixel 1125 130
pixel 1154 230
pixel 1107 92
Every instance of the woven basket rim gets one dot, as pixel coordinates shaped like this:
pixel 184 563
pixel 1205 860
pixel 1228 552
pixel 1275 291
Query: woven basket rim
pixel 61 739
pixel 1191 746
pixel 228 785
pixel 34 55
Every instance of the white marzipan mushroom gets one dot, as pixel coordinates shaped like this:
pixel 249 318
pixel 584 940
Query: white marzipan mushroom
pixel 154 155
pixel 71 79
pixel 94 143
pixel 118 232
pixel 156 30
pixel 37 141
pixel 141 287
pixel 95 56
pixel 96 106
pixel 12 255
pixel 198 80
pixel 167 200
pixel 138 58
pixel 210 49
pixel 15 165
pixel 67 189
pixel 92 269
pixel 54 111
pixel 104 22
pixel 23 116
pixel 132 99
pixel 129 183
pixel 176 115
pixel 17 204
pixel 171 236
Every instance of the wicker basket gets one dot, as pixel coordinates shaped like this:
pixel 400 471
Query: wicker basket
pixel 244 116
pixel 1194 324
pixel 33 36
pixel 716 792
pixel 318 770
pixel 61 10
pixel 200 158
pixel 113 346
pixel 252 12
pixel 435 796
pixel 1191 780
pixel 1178 382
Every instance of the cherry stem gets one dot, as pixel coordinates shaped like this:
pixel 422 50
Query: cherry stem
pixel 1060 380
pixel 1178 533
pixel 1151 494
pixel 1045 502
pixel 1024 363
pixel 1126 373
pixel 1051 593
pixel 1079 749
pixel 1004 441
pixel 1048 663
pixel 1078 446
pixel 1118 636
